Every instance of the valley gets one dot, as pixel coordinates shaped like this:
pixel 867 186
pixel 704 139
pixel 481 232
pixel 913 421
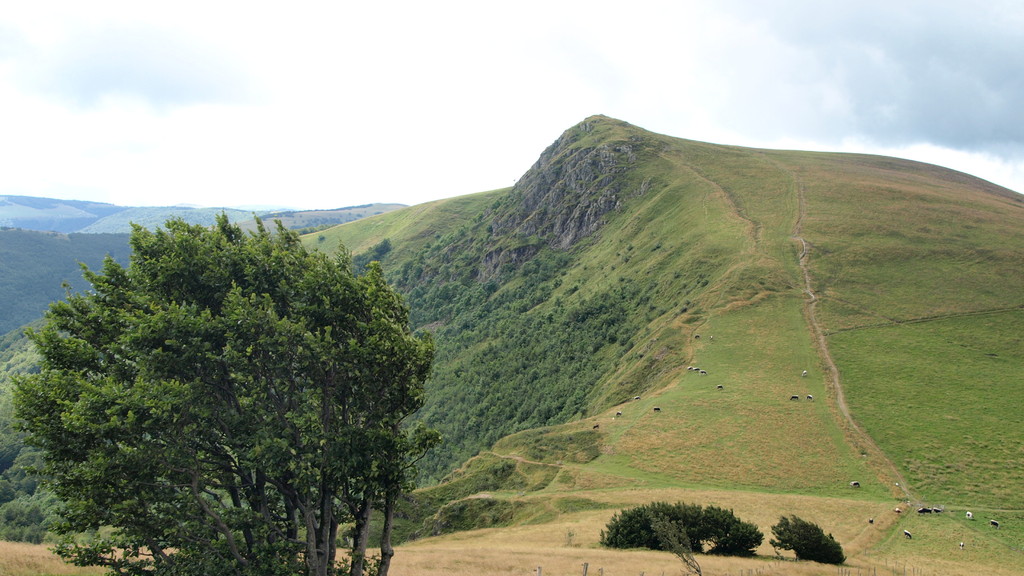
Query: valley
pixel 859 319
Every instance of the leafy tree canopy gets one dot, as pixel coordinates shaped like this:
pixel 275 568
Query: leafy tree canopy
pixel 225 403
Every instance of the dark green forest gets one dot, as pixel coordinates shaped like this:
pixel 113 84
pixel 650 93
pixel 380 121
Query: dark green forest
pixel 35 264
pixel 25 511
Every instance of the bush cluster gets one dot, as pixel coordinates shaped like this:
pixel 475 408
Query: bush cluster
pixel 714 529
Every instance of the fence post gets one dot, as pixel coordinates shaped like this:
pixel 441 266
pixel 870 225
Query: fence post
pixel 585 566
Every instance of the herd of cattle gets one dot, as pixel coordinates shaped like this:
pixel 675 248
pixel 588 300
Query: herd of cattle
pixel 926 510
pixel 969 515
pixel 854 484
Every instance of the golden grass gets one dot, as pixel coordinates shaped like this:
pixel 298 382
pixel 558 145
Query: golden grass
pixel 21 559
pixel 562 547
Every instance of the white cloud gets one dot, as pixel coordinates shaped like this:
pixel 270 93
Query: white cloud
pixel 320 105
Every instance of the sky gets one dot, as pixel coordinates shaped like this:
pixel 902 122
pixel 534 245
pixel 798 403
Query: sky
pixel 319 105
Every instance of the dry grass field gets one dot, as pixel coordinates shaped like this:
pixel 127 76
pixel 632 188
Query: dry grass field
pixel 21 559
pixel 561 548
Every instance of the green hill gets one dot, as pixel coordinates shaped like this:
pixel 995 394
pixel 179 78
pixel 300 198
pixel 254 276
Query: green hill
pixel 643 317
pixel 622 258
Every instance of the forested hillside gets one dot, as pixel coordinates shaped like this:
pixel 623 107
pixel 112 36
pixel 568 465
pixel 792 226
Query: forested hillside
pixel 24 509
pixel 34 266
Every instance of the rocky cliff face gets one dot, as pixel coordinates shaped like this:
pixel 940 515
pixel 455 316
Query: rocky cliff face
pixel 564 197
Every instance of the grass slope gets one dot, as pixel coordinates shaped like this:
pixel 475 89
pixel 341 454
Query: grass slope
pixel 917 271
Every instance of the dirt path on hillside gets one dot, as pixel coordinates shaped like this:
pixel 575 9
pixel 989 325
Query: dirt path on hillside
pixel 885 468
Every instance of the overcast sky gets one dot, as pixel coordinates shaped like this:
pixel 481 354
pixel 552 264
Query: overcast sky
pixel 331 104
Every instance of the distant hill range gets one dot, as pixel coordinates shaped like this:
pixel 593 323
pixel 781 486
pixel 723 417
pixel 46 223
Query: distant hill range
pixel 79 216
pixel 43 240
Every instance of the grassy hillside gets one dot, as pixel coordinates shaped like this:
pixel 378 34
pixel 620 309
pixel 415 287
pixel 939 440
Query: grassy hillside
pixel 569 310
pixel 316 219
pixel 896 285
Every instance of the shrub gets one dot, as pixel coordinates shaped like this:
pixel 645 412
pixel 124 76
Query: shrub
pixel 807 541
pixel 729 535
pixel 712 526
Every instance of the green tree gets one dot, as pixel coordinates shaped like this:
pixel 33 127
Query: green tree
pixel 807 540
pixel 728 535
pixel 225 403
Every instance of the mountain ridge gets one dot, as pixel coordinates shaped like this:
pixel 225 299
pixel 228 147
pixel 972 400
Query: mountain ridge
pixel 550 335
pixel 87 217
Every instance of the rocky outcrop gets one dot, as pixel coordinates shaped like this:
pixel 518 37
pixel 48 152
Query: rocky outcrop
pixel 564 197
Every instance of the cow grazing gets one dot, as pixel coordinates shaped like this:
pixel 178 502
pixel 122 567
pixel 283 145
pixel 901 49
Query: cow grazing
pixel 720 387
pixel 804 373
pixel 871 520
pixel 969 515
pixel 897 510
pixel 703 372
pixel 657 409
pixel 794 397
pixel 596 426
pixel 696 336
pixel 994 524
pixel 618 413
pixel 809 397
pixel 908 535
pixel 961 545
pixel 689 368
pixel 925 510
pixel 636 397
pixel 854 484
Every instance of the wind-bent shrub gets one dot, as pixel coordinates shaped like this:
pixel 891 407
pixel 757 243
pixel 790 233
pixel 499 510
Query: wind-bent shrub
pixel 712 528
pixel 807 540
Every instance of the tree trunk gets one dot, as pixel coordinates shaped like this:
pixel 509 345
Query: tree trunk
pixel 387 551
pixel 326 542
pixel 362 535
